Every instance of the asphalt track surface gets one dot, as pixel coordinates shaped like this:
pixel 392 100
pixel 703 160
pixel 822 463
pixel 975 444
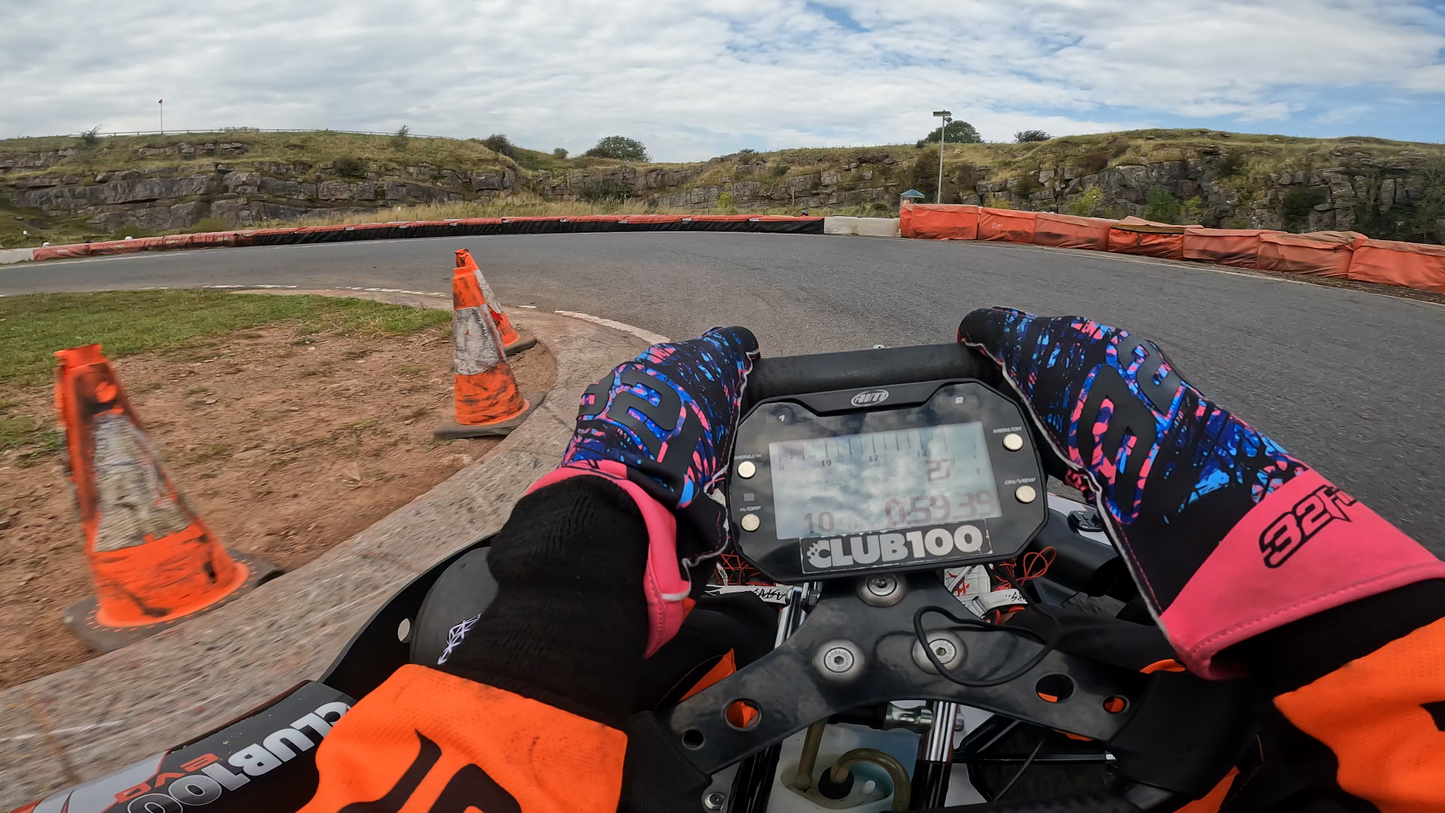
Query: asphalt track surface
pixel 1350 382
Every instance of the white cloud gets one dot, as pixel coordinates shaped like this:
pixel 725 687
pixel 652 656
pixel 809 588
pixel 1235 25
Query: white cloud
pixel 694 79
pixel 1340 115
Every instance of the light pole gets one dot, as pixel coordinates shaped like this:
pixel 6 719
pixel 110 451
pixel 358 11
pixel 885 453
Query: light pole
pixel 942 139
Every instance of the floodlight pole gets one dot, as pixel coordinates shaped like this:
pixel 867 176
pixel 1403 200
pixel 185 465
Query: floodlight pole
pixel 942 139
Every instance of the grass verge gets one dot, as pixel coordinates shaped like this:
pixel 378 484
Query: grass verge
pixel 34 326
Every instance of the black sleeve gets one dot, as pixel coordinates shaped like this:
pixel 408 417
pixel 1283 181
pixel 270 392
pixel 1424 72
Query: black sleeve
pixel 569 624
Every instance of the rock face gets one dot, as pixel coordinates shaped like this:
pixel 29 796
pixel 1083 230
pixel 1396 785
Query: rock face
pixel 1359 191
pixel 233 194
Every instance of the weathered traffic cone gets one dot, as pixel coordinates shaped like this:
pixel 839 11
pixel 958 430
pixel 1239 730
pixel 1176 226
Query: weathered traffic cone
pixel 488 403
pixel 153 561
pixel 513 340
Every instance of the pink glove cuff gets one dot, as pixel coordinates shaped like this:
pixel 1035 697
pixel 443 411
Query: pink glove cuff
pixel 1302 550
pixel 663 584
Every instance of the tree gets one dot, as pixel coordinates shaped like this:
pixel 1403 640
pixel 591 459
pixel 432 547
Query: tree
pixel 90 137
pixel 959 132
pixel 620 147
pixel 1161 206
pixel 500 144
pixel 1025 136
pixel 398 139
pixel 560 152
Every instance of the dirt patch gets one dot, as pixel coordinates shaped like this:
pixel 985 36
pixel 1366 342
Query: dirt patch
pixel 285 444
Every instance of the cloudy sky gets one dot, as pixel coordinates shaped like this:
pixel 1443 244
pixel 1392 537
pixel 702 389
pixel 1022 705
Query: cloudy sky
pixel 706 77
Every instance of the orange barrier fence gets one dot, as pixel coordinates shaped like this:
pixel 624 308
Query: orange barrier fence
pixel 1148 243
pixel 1325 254
pixel 1396 263
pixel 1236 247
pixel 1068 231
pixel 1006 225
pixel 933 222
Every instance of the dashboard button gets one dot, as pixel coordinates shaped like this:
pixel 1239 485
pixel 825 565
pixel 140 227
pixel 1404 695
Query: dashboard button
pixel 747 469
pixel 750 522
pixel 1013 441
pixel 1026 494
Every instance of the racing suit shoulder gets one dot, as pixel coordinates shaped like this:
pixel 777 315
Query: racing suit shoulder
pixel 1382 717
pixel 431 741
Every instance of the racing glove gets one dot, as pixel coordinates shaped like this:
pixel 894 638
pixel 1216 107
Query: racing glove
pixel 1226 533
pixel 662 427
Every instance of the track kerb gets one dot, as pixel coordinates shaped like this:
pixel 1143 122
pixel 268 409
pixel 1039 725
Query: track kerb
pixel 513 340
pixel 153 561
pixel 488 403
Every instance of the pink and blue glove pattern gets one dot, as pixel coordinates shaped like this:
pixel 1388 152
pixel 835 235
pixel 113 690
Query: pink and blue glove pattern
pixel 1225 532
pixel 662 426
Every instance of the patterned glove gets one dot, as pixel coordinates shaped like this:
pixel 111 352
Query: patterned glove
pixel 662 426
pixel 1225 532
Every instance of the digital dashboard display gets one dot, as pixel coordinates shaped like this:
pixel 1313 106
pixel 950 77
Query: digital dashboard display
pixel 882 480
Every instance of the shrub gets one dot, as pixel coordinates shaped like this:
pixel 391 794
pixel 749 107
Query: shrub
pixel 619 147
pixel 959 132
pixel 560 153
pixel 1295 207
pixel 1028 184
pixel 90 137
pixel 1192 212
pixel 1087 204
pixel 500 144
pixel 350 167
pixel 1026 136
pixel 399 138
pixel 1096 160
pixel 1231 164
pixel 1161 206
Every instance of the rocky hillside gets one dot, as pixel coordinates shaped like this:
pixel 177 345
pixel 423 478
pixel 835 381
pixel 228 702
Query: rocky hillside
pixel 65 189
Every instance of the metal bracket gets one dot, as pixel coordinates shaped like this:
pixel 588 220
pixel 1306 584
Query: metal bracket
pixel 790 692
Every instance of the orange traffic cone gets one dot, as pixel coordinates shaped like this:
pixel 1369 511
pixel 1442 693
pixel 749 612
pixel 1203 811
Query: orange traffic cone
pixel 153 561
pixel 512 339
pixel 488 403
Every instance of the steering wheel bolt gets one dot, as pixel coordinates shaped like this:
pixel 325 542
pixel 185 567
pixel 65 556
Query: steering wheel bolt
pixel 945 646
pixel 839 661
pixel 881 591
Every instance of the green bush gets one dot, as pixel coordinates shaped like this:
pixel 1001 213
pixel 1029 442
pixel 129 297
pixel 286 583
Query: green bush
pixel 1027 136
pixel 1295 206
pixel 349 167
pixel 1192 212
pixel 619 147
pixel 1087 204
pixel 959 132
pixel 1096 160
pixel 1231 164
pixel 1161 206
pixel 500 144
pixel 560 153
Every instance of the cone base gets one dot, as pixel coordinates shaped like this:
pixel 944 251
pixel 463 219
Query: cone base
pixel 80 617
pixel 500 429
pixel 525 341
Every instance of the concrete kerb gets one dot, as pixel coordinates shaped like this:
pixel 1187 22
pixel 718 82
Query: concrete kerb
pixel 102 715
pixel 16 255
